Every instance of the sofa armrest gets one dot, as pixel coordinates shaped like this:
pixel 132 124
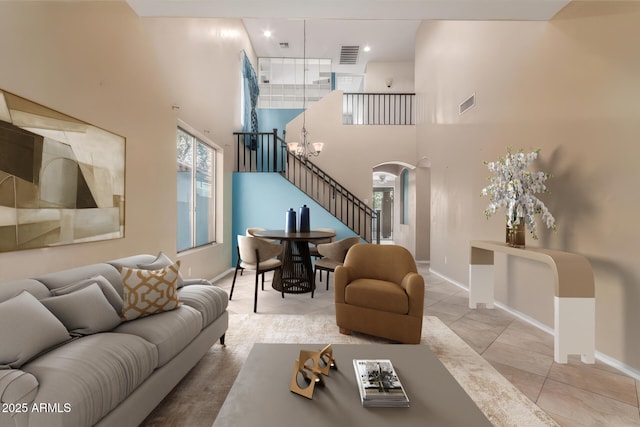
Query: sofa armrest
pixel 413 284
pixel 17 386
pixel 341 278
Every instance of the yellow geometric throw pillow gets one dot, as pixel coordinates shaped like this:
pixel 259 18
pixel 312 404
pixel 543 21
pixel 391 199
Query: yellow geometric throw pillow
pixel 149 291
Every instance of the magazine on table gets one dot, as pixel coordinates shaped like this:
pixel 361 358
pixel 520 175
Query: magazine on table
pixel 379 384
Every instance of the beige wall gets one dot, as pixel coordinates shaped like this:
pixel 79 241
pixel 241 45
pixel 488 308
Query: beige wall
pixel 401 74
pixel 423 212
pixel 97 61
pixel 351 152
pixel 568 86
pixel 200 62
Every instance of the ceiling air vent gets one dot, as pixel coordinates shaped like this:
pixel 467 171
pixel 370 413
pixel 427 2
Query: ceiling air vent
pixel 284 45
pixel 349 54
pixel 470 102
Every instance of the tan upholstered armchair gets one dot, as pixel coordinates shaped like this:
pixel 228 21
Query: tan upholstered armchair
pixel 378 291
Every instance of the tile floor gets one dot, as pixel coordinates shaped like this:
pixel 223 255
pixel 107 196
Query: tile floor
pixel 574 394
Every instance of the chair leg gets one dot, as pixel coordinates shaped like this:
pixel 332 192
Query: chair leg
pixel 282 283
pixel 263 280
pixel 233 284
pixel 255 296
pixel 238 262
pixel 328 272
pixel 345 331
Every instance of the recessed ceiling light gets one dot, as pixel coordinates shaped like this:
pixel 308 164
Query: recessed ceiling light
pixel 367 48
pixel 267 33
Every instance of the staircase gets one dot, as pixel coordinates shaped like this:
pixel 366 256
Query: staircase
pixel 267 152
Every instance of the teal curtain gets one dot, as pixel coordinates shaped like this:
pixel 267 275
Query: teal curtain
pixel 251 93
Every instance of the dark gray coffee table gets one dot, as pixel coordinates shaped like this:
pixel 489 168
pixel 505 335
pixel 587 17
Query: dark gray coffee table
pixel 260 395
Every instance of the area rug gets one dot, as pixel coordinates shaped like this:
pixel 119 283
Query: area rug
pixel 198 398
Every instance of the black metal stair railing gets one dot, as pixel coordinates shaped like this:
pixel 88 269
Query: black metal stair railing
pixel 266 152
pixel 259 152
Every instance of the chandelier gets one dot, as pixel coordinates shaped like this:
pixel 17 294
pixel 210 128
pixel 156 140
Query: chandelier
pixel 305 148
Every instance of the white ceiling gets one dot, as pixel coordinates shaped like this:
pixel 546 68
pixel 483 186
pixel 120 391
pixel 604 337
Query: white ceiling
pixel 387 26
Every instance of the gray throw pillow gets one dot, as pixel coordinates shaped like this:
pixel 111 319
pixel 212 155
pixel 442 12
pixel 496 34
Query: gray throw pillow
pixel 27 328
pixel 161 261
pixel 84 312
pixel 105 286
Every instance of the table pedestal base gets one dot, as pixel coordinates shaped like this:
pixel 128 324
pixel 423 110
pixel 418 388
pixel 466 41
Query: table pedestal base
pixel 296 276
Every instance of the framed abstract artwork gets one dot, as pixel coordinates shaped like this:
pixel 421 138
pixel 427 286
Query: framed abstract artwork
pixel 61 179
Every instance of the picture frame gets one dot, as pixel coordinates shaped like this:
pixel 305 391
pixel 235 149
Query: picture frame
pixel 62 180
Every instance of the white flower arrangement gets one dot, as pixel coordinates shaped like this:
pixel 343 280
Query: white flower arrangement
pixel 513 187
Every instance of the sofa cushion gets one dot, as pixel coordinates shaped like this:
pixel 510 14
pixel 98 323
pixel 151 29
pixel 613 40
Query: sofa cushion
pixel 26 329
pixel 92 374
pixel 378 295
pixel 170 332
pixel 149 292
pixel 161 261
pixel 83 312
pixel 72 275
pixel 105 286
pixel 13 288
pixel 211 301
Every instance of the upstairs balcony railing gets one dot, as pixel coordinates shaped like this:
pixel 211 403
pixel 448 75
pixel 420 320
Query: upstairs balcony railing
pixel 378 108
pixel 266 152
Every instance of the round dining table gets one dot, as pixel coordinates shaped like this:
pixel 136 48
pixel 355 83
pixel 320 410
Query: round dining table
pixel 296 275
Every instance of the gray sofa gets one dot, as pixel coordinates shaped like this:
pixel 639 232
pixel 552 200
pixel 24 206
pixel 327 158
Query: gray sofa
pixel 101 371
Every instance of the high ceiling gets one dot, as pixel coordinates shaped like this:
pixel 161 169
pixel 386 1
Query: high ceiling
pixel 387 26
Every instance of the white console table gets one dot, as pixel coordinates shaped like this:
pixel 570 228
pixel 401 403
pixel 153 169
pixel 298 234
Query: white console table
pixel 574 301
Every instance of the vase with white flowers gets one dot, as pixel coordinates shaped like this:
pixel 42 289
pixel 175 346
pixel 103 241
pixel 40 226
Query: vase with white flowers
pixel 513 188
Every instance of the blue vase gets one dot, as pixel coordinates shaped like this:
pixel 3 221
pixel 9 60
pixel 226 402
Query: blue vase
pixel 290 221
pixel 304 225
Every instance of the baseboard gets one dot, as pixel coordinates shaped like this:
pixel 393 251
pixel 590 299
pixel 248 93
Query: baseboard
pixel 608 360
pixel 222 275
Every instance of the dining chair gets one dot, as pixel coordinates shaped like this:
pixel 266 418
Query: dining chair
pixel 313 247
pixel 257 255
pixel 333 255
pixel 251 230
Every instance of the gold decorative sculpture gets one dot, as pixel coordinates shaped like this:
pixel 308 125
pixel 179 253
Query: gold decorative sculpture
pixel 321 362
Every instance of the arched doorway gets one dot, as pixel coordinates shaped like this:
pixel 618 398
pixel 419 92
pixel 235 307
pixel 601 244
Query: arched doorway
pixel 383 195
pixel 394 197
pixel 402 195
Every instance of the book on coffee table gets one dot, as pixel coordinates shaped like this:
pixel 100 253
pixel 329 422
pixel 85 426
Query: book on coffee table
pixel 379 384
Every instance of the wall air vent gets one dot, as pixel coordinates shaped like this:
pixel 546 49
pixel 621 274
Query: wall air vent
pixel 284 45
pixel 349 54
pixel 468 103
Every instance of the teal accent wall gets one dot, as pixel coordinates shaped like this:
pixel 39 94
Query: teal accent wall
pixel 276 118
pixel 261 200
